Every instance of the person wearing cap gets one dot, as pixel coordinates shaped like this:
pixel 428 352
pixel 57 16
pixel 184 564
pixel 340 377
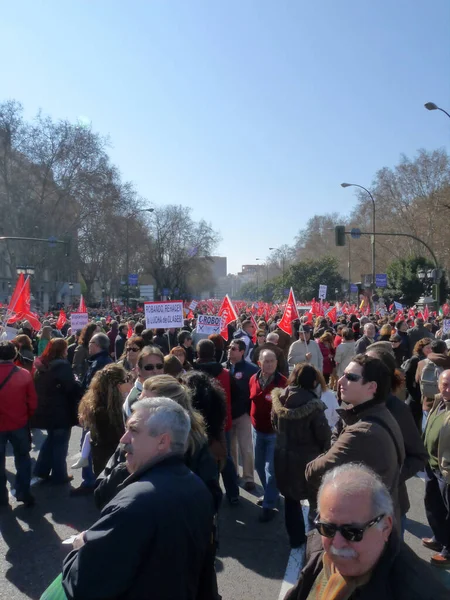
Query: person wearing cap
pixel 305 350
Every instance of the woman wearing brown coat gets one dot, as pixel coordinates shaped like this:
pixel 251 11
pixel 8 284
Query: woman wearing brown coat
pixel 298 418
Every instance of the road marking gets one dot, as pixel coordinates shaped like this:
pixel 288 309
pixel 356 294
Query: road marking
pixel 296 560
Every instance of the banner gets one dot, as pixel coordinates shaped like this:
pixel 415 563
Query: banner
pixel 193 305
pixel 446 326
pixel 164 314
pixel 78 321
pixel 322 292
pixel 209 324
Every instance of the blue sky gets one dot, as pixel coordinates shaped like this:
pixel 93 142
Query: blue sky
pixel 249 112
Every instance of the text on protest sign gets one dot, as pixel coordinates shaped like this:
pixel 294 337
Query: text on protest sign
pixel 164 315
pixel 322 292
pixel 209 324
pixel 78 321
pixel 446 326
pixel 193 305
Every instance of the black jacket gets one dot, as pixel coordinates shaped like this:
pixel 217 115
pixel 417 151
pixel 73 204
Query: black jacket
pixel 399 575
pixel 418 333
pixel 151 541
pixel 58 395
pixel 119 345
pixel 240 388
pixel 96 363
pixel 161 342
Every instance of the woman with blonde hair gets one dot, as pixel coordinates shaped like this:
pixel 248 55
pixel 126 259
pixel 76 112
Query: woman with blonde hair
pixel 100 412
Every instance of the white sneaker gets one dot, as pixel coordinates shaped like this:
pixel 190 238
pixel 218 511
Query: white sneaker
pixel 81 462
pixel 36 481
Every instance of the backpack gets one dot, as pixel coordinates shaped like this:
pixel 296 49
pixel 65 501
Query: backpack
pixel 429 379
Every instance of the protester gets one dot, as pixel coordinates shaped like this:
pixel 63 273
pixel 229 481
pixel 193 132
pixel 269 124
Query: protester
pixel 25 356
pixel 305 350
pixel 185 341
pixel 345 351
pixel 133 346
pixel 271 343
pixel 58 396
pixel 121 340
pixel 418 332
pixel 162 515
pixel 414 399
pixel 246 333
pixel 429 370
pixel 150 362
pixel 368 338
pixel 44 338
pixel 81 355
pixel 302 433
pixel 362 555
pixel 327 349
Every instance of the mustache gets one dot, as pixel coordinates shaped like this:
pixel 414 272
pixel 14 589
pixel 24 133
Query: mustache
pixel 343 552
pixel 127 448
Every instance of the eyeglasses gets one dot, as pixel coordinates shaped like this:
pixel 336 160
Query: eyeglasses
pixel 261 335
pixel 351 533
pixel 352 376
pixel 158 367
pixel 132 349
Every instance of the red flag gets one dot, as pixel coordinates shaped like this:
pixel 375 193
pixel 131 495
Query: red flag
pixel 190 315
pixel 82 307
pixel 289 315
pixel 16 303
pixel 426 313
pixel 61 320
pixel 332 314
pixel 228 314
pixel 310 317
pixel 130 331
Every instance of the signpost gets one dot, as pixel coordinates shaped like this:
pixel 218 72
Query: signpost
pixel 353 288
pixel 147 292
pixel 164 314
pixel 381 280
pixel 78 321
pixel 209 324
pixel 133 279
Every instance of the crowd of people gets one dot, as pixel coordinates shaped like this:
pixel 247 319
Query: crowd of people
pixel 340 415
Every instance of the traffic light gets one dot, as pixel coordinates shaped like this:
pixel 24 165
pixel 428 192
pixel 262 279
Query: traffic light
pixel 339 235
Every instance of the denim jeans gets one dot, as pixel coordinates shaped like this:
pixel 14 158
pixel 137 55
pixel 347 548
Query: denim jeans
pixel 21 444
pixel 87 473
pixel 229 475
pixel 53 455
pixel 264 446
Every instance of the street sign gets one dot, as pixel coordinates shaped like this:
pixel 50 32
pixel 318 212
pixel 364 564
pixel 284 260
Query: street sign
pixel 353 288
pixel 52 241
pixel 355 233
pixel 381 280
pixel 133 279
pixel 322 292
pixel 164 315
pixel 147 292
pixel 165 291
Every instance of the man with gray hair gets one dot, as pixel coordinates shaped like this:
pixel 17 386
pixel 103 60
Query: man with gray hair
pixel 363 556
pixel 368 338
pixel 153 537
pixel 271 343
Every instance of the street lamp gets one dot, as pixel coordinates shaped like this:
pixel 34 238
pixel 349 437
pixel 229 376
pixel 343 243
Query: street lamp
pixel 127 281
pixel 282 262
pixel 25 270
pixel 433 106
pixel 70 293
pixel 344 185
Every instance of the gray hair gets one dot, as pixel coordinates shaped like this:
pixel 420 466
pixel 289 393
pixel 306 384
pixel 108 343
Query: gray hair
pixel 354 478
pixel 166 416
pixel 368 325
pixel 102 340
pixel 273 337
pixel 265 352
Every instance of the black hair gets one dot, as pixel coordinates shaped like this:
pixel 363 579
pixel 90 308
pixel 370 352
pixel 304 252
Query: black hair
pixel 183 336
pixel 240 344
pixel 374 369
pixel 208 397
pixel 206 350
pixel 8 351
pixel 438 347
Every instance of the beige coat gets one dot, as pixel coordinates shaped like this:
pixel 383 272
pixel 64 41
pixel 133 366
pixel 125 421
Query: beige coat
pixel 444 445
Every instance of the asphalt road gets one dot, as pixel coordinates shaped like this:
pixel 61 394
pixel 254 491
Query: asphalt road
pixel 251 561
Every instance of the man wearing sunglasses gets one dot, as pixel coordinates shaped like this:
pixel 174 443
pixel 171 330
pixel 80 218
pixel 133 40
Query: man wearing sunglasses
pixel 363 556
pixel 368 433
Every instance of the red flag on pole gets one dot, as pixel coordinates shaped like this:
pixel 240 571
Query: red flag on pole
pixel 228 314
pixel 332 315
pixel 61 320
pixel 426 313
pixel 289 315
pixel 82 307
pixel 16 295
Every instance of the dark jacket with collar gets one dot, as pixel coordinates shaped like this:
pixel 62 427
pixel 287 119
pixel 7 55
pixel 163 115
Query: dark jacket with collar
pixel 152 539
pixel 240 373
pixel 399 575
pixel 362 344
pixel 370 435
pixel 96 363
pixel 58 395
pixel 418 333
pixel 119 345
pixel 298 418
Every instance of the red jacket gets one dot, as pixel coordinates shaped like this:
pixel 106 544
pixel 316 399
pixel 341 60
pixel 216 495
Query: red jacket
pixel 261 407
pixel 18 398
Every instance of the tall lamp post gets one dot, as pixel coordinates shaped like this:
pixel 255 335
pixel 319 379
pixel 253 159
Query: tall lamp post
pixel 70 293
pixel 282 263
pixel 344 185
pixel 127 250
pixel 433 106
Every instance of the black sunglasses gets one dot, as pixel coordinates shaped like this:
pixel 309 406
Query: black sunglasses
pixel 352 376
pixel 158 367
pixel 132 349
pixel 351 533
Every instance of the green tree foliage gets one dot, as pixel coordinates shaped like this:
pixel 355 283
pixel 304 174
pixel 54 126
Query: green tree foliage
pixel 306 277
pixel 404 285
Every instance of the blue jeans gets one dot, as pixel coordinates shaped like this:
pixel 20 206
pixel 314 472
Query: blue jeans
pixel 229 475
pixel 53 455
pixel 264 446
pixel 21 443
pixel 87 473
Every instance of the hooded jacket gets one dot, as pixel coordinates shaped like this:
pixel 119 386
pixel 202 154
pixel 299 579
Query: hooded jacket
pixel 214 369
pixel 58 395
pixel 298 418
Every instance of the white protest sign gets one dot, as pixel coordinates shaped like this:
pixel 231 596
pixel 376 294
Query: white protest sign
pixel 78 321
pixel 164 315
pixel 322 292
pixel 209 324
pixel 446 326
pixel 193 305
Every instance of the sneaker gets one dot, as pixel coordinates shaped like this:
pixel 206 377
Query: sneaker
pixel 268 514
pixel 440 561
pixel 432 544
pixel 249 486
pixel 81 463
